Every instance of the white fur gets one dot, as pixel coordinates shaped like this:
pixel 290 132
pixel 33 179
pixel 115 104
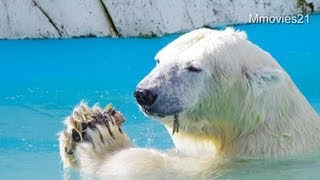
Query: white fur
pixel 110 157
pixel 241 104
pixel 242 101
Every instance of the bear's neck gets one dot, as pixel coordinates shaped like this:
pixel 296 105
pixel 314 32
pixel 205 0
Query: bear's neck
pixel 290 127
pixel 286 126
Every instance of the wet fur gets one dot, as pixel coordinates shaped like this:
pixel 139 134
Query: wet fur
pixel 94 144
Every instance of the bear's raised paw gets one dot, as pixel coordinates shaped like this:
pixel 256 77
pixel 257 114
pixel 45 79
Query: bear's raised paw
pixel 91 133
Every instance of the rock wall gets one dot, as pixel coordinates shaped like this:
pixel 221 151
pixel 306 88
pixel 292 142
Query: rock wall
pixel 76 18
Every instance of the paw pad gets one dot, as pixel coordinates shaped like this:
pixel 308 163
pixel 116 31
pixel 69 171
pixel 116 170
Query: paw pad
pixel 75 135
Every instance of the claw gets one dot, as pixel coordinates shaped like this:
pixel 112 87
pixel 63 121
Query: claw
pixel 77 115
pixel 83 108
pixel 83 117
pixel 111 111
pixel 109 106
pixel 73 122
pixel 119 119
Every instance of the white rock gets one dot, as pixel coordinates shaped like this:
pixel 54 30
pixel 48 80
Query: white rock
pixel 21 19
pixel 149 17
pixel 74 18
pixel 5 30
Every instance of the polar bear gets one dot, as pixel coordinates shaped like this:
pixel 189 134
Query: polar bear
pixel 232 98
pixel 219 96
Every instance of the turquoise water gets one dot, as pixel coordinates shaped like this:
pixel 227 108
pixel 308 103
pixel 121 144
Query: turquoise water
pixel 41 81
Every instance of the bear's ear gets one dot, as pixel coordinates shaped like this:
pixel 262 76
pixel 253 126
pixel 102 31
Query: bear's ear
pixel 264 79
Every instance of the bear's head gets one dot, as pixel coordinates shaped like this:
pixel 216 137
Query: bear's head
pixel 217 81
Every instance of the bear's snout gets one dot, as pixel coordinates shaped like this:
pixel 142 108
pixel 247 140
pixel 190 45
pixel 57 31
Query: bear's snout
pixel 145 97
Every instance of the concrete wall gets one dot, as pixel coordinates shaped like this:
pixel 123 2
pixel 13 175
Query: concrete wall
pixel 75 18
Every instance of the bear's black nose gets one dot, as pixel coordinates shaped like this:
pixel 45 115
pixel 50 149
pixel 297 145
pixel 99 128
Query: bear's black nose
pixel 145 97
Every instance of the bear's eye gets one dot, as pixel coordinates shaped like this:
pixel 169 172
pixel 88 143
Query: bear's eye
pixel 191 68
pixel 157 60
